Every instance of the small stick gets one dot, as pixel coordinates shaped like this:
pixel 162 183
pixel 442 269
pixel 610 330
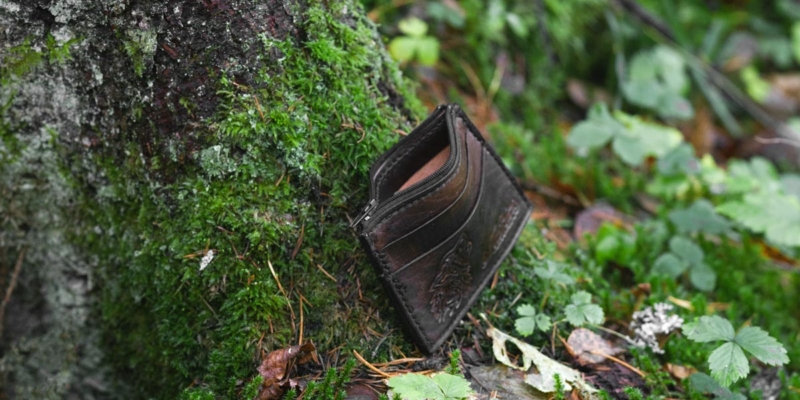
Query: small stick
pixel 326 272
pixel 11 286
pixel 617 360
pixel 370 366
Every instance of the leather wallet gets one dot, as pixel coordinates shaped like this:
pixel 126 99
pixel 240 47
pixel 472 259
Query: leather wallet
pixel 443 214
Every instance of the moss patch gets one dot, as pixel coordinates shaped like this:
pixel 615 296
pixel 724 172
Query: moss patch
pixel 277 171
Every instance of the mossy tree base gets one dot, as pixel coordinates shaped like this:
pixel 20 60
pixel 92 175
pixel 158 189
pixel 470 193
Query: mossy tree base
pixel 236 131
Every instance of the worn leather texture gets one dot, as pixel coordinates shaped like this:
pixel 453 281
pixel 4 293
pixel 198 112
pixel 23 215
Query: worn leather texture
pixel 437 243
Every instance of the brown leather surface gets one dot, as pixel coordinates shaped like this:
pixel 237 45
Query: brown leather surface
pixel 428 169
pixel 438 244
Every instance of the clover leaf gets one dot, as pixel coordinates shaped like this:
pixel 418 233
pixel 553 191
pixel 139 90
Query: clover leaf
pixel 531 320
pixel 685 255
pixel 581 310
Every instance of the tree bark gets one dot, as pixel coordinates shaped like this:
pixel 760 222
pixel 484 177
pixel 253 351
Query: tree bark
pixel 180 175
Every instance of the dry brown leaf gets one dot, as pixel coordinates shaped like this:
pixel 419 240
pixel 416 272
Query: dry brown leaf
pixel 679 371
pixel 590 219
pixel 588 347
pixel 275 365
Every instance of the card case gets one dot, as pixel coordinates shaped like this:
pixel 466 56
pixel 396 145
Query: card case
pixel 443 214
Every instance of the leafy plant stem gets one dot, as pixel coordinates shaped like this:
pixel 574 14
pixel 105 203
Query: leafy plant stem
pixel 544 300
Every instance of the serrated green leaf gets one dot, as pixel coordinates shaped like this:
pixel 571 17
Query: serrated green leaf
pixel 543 322
pixel 452 387
pixel 427 50
pixel 413 27
pixel 761 345
pixel 686 250
pixel 703 277
pixel 593 133
pixel 728 364
pixel 709 329
pixel 415 387
pixel 670 265
pixel 655 80
pixel 706 384
pixel 526 310
pixel 525 325
pixel 791 184
pixel 641 139
pixel 699 217
pixel 681 159
pixel 402 48
pixel 775 214
pixel 581 310
pixel 554 272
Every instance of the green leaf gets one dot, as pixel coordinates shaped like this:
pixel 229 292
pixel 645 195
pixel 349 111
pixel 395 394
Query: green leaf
pixel 428 50
pixel 703 277
pixel 761 345
pixel 728 364
pixel 530 320
pixel 453 387
pixel 641 139
pixel 775 214
pixel 656 80
pixel 402 48
pixel 754 84
pixel 796 41
pixel 413 27
pixel 706 384
pixel 699 217
pixel 517 25
pixel 686 250
pixel 606 249
pixel 582 310
pixel 681 159
pixel 415 387
pixel 554 272
pixel 593 133
pixel 709 329
pixel 670 265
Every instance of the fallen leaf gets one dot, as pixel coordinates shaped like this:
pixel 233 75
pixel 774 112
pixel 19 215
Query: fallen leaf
pixel 679 371
pixel 590 219
pixel 543 379
pixel 275 365
pixel 588 347
pixel 507 382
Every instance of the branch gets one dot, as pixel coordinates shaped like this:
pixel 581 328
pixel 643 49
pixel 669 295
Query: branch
pixel 11 286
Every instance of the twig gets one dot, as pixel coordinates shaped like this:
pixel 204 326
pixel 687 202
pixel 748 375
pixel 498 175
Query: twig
pixel 617 360
pixel 370 366
pixel 791 142
pixel 11 286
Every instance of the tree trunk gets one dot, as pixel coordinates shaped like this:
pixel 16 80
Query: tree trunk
pixel 175 181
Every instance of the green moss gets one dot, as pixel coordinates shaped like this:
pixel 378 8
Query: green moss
pixel 279 169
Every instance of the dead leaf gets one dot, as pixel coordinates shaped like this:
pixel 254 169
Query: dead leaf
pixel 543 379
pixel 588 347
pixel 590 219
pixel 275 365
pixel 507 383
pixel 679 371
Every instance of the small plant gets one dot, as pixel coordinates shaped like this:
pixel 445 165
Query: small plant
pixel 332 387
pixel 685 255
pixel 415 44
pixel 632 139
pixel 776 215
pixel 727 362
pixel 531 320
pixel 581 310
pixel 442 386
pixel 656 80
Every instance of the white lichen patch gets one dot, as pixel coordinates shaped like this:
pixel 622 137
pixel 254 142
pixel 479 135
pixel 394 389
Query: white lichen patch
pixel 654 322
